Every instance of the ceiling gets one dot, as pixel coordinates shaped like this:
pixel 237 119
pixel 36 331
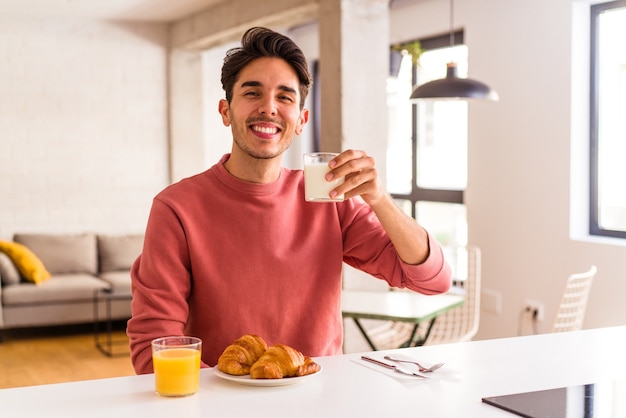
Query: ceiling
pixel 140 10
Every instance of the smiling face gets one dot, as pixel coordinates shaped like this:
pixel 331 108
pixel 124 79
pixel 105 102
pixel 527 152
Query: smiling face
pixel 264 112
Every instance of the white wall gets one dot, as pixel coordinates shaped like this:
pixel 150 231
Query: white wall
pixel 218 138
pixel 83 133
pixel 520 157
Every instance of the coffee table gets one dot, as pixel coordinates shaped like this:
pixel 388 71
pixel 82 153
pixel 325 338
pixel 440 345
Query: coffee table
pixel 106 343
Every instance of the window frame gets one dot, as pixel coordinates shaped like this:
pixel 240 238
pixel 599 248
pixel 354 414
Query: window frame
pixel 420 194
pixel 594 216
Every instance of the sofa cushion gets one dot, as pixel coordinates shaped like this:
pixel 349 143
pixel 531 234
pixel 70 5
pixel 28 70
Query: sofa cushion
pixel 8 271
pixel 62 288
pixel 119 281
pixel 61 253
pixel 27 263
pixel 118 252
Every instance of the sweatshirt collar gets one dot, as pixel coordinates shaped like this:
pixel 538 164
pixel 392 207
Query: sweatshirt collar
pixel 243 186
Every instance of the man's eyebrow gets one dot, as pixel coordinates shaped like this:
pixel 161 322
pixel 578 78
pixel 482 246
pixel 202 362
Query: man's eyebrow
pixel 251 84
pixel 287 89
pixel 258 84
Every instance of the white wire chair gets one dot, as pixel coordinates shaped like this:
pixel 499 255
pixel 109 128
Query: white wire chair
pixel 571 312
pixel 457 325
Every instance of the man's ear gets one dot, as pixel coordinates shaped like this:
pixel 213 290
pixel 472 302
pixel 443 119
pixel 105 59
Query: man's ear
pixel 302 120
pixel 223 108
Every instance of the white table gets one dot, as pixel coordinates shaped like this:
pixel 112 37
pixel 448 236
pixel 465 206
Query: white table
pixel 349 387
pixel 399 306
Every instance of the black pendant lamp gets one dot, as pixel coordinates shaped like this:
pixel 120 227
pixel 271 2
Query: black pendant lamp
pixel 453 87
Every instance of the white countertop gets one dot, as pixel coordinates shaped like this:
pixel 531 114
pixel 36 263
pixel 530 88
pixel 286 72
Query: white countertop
pixel 349 387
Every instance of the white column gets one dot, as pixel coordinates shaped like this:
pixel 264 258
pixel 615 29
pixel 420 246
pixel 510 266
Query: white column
pixel 186 114
pixel 354 64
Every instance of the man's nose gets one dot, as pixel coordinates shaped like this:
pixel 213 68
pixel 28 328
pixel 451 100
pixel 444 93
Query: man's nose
pixel 268 106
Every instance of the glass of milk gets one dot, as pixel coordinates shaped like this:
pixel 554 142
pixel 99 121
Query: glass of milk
pixel 316 187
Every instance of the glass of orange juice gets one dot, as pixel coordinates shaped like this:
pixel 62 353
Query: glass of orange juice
pixel 176 363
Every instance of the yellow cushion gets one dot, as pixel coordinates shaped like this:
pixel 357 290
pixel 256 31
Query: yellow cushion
pixel 28 264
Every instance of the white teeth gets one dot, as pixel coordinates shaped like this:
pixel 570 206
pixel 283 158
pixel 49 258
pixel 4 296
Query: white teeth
pixel 265 130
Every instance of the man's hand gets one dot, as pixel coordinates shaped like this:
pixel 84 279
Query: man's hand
pixel 361 176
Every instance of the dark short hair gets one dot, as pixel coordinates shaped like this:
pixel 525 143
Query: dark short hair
pixel 261 42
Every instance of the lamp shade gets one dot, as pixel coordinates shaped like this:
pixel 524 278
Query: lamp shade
pixel 453 87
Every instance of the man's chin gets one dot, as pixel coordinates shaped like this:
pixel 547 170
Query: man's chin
pixel 269 152
pixel 264 154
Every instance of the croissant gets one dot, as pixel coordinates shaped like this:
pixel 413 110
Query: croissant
pixel 280 361
pixel 241 354
pixel 308 367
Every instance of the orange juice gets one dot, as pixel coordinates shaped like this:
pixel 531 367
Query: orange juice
pixel 176 371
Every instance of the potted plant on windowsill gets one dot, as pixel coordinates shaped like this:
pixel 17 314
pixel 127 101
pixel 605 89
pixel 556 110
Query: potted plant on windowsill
pixel 397 51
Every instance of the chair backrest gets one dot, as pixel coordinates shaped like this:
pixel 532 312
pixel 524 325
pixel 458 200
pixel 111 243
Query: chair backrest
pixel 456 325
pixel 573 305
pixel 461 324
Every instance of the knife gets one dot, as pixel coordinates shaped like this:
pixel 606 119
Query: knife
pixel 393 367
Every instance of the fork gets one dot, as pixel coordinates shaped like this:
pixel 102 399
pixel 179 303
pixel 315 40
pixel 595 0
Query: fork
pixel 393 367
pixel 420 367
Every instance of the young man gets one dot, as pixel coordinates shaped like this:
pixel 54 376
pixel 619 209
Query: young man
pixel 237 250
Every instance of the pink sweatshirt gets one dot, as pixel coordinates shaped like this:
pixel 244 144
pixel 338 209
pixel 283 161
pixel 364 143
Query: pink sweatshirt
pixel 223 258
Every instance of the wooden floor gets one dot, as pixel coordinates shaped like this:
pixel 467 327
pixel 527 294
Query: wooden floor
pixel 59 354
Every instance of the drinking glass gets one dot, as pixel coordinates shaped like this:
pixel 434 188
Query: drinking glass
pixel 176 363
pixel 316 187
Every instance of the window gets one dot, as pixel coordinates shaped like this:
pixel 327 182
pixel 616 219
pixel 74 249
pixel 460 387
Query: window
pixel 427 152
pixel 608 120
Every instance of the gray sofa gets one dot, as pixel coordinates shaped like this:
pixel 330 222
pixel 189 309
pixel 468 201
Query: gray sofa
pixel 80 265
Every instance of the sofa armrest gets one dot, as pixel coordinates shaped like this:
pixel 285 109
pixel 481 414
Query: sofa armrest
pixel 1 311
pixel 9 273
pixel 8 276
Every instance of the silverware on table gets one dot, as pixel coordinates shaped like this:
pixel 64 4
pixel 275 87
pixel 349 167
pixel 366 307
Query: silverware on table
pixel 393 367
pixel 422 369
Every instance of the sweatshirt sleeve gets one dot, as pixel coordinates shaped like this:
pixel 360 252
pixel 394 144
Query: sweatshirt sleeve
pixel 433 276
pixel 161 282
pixel 367 247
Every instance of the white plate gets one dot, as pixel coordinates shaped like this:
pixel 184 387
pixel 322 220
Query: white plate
pixel 246 380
